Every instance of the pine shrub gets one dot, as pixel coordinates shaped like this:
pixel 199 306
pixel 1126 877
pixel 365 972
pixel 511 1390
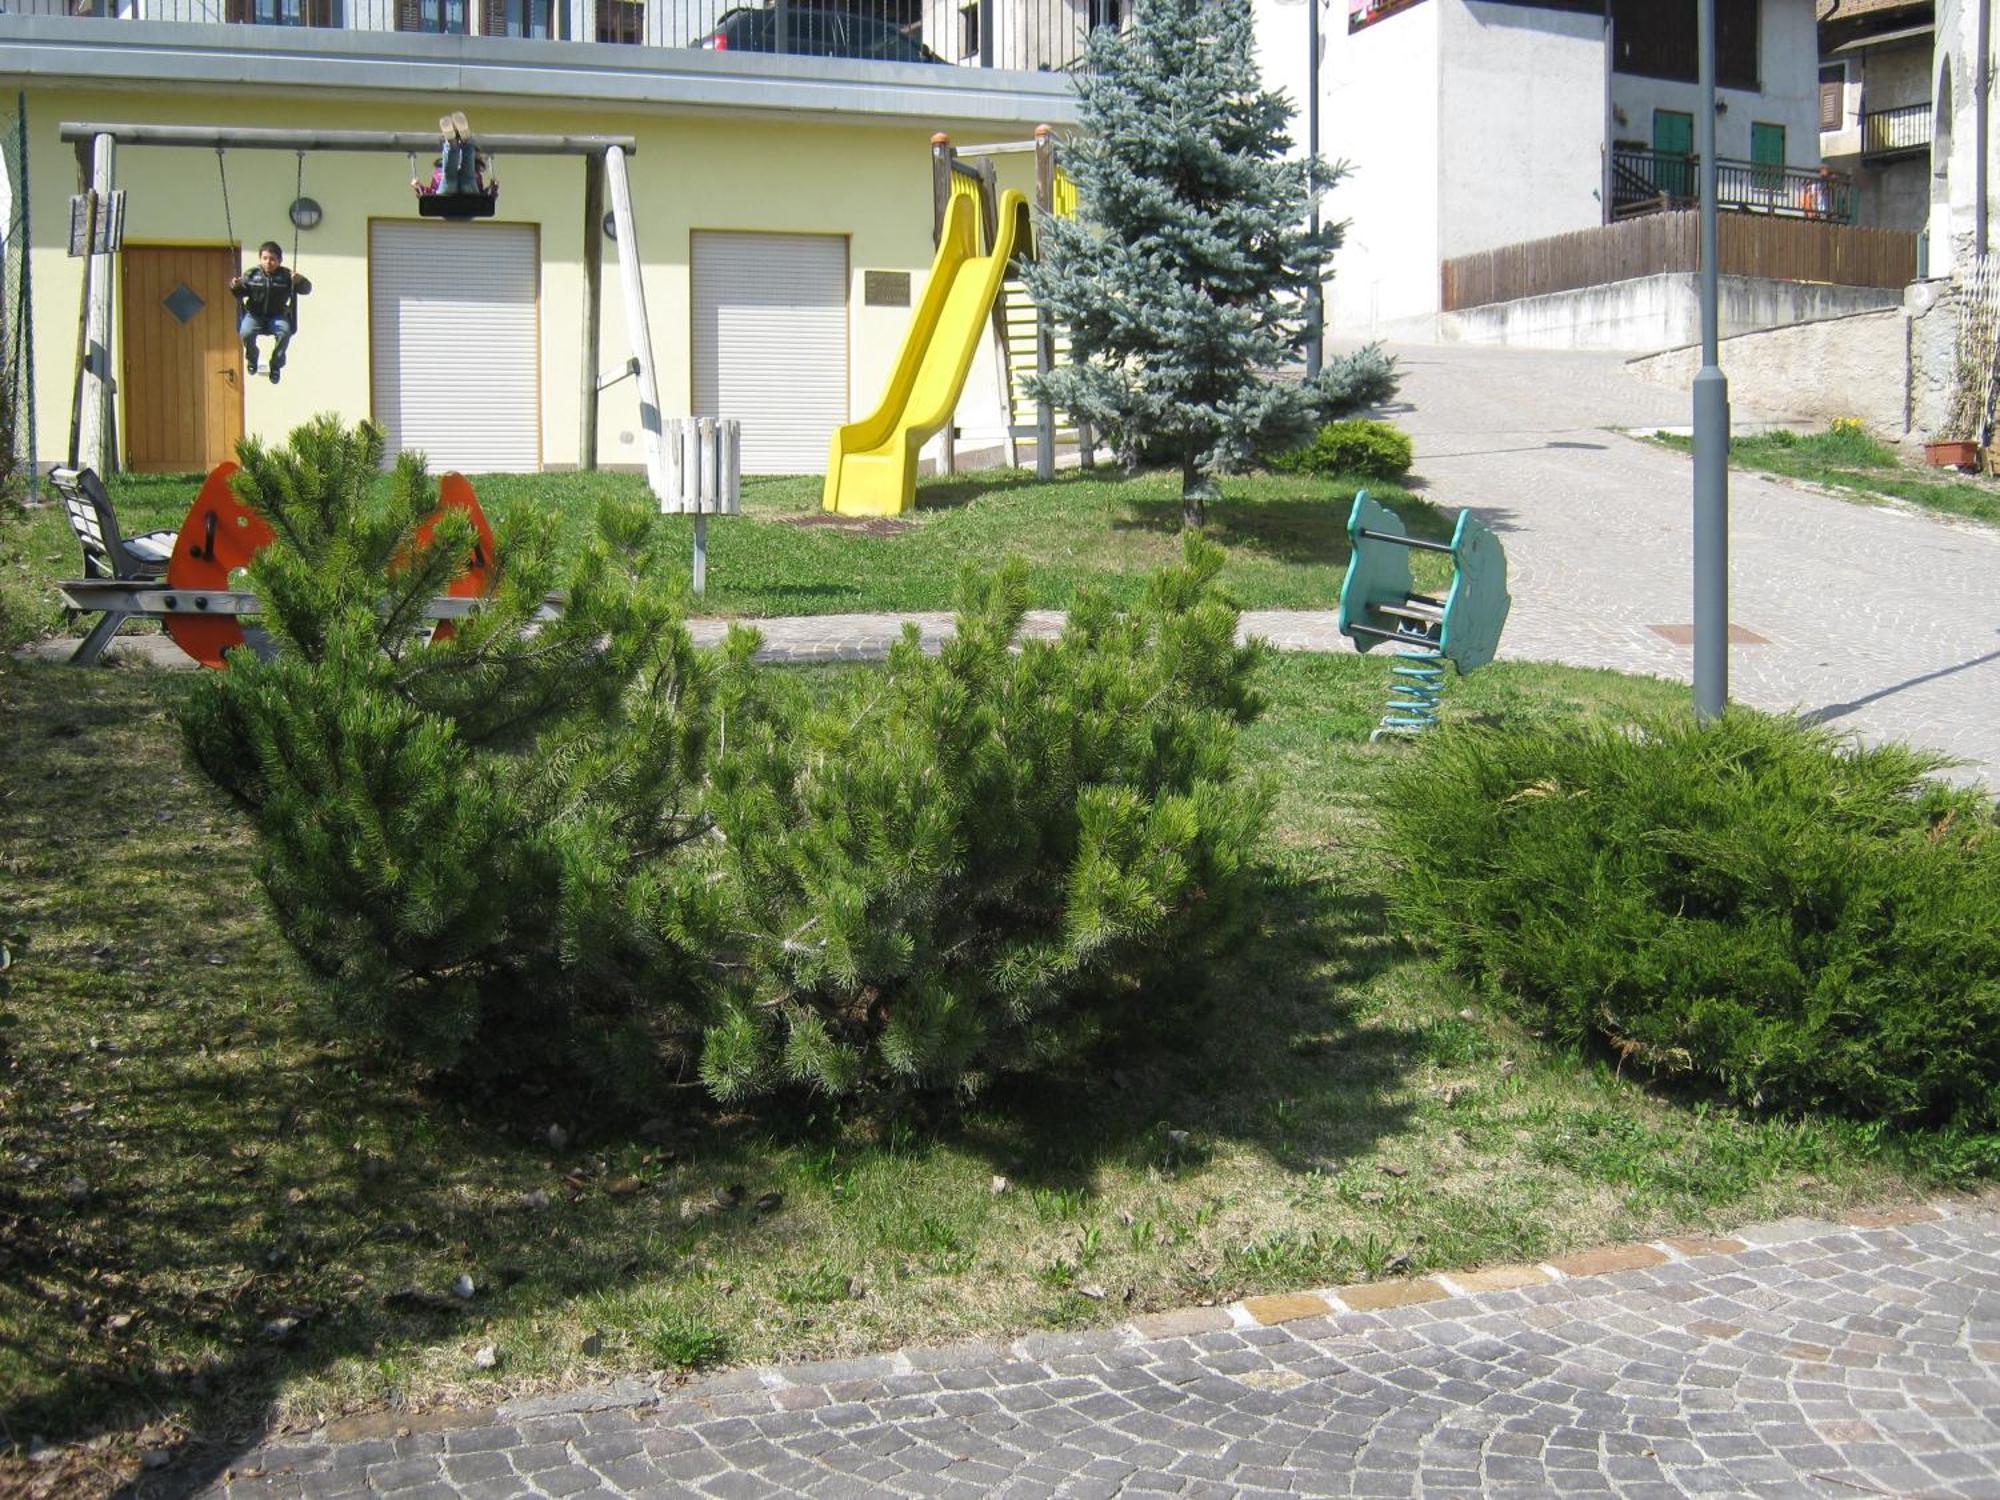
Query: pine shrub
pixel 579 843
pixel 469 839
pixel 1754 906
pixel 979 860
pixel 1359 448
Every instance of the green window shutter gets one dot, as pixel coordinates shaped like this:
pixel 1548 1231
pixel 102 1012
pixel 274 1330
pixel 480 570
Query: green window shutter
pixel 1767 145
pixel 1673 152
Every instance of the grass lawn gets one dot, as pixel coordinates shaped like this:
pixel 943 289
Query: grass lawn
pixel 208 1213
pixel 1859 467
pixel 1286 536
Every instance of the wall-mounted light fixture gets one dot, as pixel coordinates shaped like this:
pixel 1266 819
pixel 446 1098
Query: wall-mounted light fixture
pixel 305 213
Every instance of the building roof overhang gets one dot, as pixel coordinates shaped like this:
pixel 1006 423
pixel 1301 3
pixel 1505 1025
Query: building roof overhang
pixel 51 49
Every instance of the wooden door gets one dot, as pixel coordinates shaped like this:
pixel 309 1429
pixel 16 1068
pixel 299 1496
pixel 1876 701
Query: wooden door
pixel 183 375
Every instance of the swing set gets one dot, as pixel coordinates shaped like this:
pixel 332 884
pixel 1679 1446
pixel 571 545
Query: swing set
pixel 196 594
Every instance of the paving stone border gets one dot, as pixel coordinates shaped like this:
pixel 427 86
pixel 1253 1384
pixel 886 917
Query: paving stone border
pixel 1712 1329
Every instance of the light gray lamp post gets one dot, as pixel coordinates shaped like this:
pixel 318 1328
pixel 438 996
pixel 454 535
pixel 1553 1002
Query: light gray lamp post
pixel 1315 294
pixel 1711 427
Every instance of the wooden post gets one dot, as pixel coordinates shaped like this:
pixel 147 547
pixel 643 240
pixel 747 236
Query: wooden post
pixel 94 392
pixel 940 185
pixel 635 317
pixel 1045 348
pixel 593 280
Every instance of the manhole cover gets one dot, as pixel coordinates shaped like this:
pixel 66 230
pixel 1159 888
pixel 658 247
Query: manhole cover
pixel 183 302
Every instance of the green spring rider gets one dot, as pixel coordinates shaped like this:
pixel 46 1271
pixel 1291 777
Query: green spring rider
pixel 1379 604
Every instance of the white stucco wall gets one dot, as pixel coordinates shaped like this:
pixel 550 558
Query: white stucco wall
pixel 1788 69
pixel 1521 125
pixel 1380 88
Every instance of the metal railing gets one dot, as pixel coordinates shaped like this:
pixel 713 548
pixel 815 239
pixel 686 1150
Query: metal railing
pixel 1026 35
pixel 1896 132
pixel 1644 182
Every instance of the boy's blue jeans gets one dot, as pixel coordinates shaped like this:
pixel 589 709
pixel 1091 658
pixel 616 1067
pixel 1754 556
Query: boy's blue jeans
pixel 280 330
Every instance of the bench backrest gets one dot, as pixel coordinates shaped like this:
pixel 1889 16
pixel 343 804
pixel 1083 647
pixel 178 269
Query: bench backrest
pixel 95 524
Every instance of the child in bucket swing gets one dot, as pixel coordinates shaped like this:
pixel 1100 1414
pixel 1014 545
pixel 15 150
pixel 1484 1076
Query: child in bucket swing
pixel 266 292
pixel 459 169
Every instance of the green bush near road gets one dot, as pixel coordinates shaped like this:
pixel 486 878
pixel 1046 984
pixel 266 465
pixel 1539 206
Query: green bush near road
pixel 1754 905
pixel 1360 446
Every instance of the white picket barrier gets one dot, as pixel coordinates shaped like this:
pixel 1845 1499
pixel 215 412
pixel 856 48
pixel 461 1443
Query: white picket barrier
pixel 704 477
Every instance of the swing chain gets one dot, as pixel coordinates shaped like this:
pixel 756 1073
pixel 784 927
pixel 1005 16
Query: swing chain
pixel 298 192
pixel 228 224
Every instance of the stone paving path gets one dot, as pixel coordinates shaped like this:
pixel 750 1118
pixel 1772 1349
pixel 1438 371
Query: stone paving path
pixel 1806 1358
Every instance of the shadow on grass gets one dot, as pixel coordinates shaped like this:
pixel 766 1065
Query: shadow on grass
pixel 1289 531
pixel 205 1204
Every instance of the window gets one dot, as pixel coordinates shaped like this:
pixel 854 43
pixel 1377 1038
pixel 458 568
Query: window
pixel 285 12
pixel 1105 13
pixel 1832 96
pixel 621 21
pixel 538 19
pixel 1656 39
pixel 436 16
pixel 968 30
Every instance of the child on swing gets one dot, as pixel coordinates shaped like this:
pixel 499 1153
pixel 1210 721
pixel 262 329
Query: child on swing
pixel 459 167
pixel 266 292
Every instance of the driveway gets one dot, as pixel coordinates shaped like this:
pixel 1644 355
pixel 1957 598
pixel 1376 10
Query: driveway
pixel 1877 620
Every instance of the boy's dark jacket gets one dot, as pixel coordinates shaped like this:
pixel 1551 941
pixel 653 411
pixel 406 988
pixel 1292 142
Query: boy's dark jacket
pixel 269 294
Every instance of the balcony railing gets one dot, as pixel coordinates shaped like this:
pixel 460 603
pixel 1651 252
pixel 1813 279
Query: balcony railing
pixel 1644 182
pixel 1029 35
pixel 1896 132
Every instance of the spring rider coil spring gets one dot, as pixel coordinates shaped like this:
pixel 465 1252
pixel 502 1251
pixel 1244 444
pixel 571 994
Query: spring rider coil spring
pixel 1380 604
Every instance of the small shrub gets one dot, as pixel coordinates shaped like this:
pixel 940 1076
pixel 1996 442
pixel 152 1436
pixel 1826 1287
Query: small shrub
pixel 1360 448
pixel 977 860
pixel 1753 905
pixel 684 1342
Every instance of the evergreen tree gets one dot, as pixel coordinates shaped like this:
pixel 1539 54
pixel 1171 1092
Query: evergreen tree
pixel 471 838
pixel 1183 280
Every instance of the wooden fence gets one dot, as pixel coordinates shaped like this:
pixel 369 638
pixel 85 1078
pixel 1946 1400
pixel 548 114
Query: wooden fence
pixel 1750 245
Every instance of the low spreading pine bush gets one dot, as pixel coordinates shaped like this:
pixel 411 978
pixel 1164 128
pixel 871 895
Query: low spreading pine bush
pixel 976 861
pixel 581 843
pixel 1359 448
pixel 1752 905
pixel 471 839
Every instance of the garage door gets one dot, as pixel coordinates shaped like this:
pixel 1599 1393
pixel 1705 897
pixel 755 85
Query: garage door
pixel 455 343
pixel 770 343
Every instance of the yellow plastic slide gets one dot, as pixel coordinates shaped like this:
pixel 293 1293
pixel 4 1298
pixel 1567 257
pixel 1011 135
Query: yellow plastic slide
pixel 872 468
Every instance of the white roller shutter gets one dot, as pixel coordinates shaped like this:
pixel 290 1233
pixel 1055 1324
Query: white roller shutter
pixel 455 343
pixel 770 343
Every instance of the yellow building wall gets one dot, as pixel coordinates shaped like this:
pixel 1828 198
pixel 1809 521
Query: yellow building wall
pixel 866 180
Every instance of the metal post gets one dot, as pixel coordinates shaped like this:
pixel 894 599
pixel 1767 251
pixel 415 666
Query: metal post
pixel 1316 293
pixel 635 319
pixel 940 185
pixel 700 552
pixel 987 10
pixel 1983 110
pixel 781 28
pixel 94 398
pixel 1711 425
pixel 1045 347
pixel 593 282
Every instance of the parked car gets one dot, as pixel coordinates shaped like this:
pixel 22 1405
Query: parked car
pixel 816 31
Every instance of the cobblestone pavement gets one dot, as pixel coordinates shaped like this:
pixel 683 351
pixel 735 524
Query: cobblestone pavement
pixel 1877 619
pixel 1806 1358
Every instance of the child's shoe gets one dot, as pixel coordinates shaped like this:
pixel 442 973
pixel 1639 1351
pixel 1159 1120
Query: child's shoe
pixel 250 361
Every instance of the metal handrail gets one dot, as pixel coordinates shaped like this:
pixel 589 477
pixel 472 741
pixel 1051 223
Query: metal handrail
pixel 1885 132
pixel 1651 181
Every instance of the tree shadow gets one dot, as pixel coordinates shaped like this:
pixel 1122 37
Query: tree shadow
pixel 1310 530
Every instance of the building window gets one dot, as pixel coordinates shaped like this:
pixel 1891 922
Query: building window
pixel 1656 39
pixel 621 21
pixel 540 20
pixel 447 17
pixel 968 30
pixel 285 12
pixel 1832 96
pixel 1107 13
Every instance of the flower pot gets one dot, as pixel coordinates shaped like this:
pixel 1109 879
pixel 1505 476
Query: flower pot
pixel 1957 454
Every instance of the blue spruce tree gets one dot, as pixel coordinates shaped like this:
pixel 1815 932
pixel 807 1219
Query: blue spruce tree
pixel 1182 282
